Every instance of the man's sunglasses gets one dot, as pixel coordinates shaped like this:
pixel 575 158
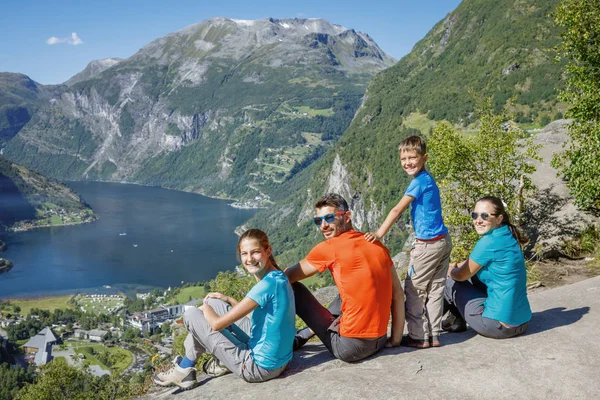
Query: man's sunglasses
pixel 484 216
pixel 329 218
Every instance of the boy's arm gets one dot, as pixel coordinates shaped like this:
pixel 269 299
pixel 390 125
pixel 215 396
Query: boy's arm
pixel 390 219
pixel 397 311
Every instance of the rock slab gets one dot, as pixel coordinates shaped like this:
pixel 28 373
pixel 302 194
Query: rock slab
pixel 558 358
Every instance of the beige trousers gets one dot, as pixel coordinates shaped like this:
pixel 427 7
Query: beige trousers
pixel 424 287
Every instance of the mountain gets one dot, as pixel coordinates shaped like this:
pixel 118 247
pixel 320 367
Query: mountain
pixel 20 97
pixel 228 108
pixel 30 199
pixel 500 49
pixel 92 70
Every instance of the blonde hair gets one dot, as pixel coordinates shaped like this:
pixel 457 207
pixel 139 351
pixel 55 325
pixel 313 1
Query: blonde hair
pixel 415 143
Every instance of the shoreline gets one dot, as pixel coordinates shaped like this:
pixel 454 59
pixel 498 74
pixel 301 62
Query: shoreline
pixel 51 226
pixel 197 192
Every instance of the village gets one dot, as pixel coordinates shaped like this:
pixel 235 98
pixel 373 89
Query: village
pixel 105 338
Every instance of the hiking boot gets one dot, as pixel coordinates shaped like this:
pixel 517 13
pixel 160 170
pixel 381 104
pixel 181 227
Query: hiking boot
pixel 434 341
pixel 185 378
pixel 416 343
pixel 214 367
pixel 302 336
pixel 454 323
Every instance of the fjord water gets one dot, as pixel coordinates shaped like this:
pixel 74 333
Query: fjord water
pixel 144 237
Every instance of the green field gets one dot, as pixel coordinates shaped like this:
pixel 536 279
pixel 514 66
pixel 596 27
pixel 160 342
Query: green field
pixel 123 357
pixel 44 303
pixel 195 292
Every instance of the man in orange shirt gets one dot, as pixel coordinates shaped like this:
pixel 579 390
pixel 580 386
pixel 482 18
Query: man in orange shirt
pixel 366 278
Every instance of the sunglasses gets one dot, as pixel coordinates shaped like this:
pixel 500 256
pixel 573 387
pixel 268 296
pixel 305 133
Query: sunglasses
pixel 484 216
pixel 329 218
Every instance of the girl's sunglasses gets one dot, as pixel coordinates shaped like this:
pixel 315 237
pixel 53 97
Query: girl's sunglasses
pixel 329 218
pixel 484 216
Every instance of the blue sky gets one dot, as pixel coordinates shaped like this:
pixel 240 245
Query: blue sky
pixel 112 28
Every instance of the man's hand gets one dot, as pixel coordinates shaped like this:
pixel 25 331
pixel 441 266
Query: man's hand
pixel 392 343
pixel 371 237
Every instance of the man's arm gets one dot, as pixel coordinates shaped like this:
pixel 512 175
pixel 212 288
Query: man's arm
pixel 300 271
pixel 390 219
pixel 397 310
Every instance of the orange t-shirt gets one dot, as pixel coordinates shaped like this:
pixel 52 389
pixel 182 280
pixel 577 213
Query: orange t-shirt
pixel 361 271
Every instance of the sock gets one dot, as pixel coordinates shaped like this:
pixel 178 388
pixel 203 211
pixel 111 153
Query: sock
pixel 187 363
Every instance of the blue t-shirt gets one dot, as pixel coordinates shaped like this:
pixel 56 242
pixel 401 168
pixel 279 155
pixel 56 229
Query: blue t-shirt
pixel 426 208
pixel 503 272
pixel 273 321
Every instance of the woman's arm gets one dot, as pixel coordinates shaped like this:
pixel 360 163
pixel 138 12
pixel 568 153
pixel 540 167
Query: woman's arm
pixel 390 219
pixel 238 311
pixel 222 297
pixel 465 271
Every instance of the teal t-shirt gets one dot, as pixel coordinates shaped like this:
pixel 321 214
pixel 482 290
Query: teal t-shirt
pixel 273 321
pixel 503 272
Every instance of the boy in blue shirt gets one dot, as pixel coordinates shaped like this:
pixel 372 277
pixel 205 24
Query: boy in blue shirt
pixel 430 252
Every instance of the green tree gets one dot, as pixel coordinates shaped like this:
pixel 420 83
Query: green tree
pixel 230 284
pixel 492 160
pixel 580 162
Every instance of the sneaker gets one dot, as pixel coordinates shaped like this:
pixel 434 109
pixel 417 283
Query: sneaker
pixel 434 341
pixel 185 378
pixel 454 324
pixel 302 336
pixel 299 341
pixel 214 367
pixel 416 343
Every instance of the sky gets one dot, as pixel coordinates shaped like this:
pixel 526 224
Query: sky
pixel 50 41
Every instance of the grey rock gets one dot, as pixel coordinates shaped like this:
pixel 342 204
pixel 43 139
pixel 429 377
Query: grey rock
pixel 557 358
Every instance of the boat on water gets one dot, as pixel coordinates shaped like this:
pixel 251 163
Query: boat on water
pixel 135 245
pixel 122 234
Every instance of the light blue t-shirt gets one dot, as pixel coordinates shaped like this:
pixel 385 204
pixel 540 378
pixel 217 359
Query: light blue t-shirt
pixel 503 272
pixel 273 321
pixel 426 208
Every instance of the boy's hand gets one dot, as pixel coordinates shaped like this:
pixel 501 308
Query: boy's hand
pixel 371 237
pixel 392 343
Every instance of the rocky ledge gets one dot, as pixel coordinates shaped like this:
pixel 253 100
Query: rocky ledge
pixel 558 358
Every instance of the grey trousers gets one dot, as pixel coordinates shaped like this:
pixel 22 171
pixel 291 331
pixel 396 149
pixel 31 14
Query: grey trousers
pixel 230 345
pixel 465 299
pixel 325 324
pixel 424 287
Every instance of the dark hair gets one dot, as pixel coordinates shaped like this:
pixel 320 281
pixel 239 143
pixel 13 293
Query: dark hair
pixel 415 143
pixel 261 237
pixel 333 200
pixel 499 209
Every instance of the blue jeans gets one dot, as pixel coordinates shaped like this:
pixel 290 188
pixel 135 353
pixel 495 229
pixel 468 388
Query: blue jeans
pixel 465 299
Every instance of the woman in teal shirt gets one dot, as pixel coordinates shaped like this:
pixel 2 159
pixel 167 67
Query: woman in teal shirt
pixel 488 291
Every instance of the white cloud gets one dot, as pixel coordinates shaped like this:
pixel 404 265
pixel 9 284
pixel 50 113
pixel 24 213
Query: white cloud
pixel 73 40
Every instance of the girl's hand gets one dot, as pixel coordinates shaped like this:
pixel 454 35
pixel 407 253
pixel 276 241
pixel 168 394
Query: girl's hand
pixel 371 237
pixel 451 266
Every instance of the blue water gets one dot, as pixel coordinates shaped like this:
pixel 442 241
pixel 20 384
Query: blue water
pixel 170 237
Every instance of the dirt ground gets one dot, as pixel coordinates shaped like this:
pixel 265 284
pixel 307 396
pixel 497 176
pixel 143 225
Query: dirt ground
pixel 551 273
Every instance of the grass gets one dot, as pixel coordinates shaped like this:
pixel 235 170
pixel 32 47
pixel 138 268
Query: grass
pixel 195 292
pixel 328 112
pixel 419 121
pixel 124 356
pixel 44 303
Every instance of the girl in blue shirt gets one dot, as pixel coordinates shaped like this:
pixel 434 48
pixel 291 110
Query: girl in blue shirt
pixel 488 291
pixel 257 348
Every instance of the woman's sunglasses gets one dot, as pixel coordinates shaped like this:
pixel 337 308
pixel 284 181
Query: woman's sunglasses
pixel 329 218
pixel 484 216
